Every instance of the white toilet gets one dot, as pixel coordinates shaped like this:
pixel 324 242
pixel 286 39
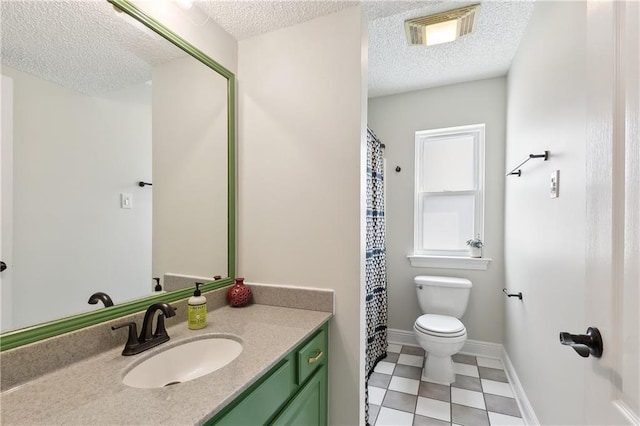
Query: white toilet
pixel 443 300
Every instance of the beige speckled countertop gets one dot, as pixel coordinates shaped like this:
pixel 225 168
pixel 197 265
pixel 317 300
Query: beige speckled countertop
pixel 91 391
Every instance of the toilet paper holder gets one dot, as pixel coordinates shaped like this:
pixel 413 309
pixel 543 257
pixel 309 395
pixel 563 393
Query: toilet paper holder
pixel 518 295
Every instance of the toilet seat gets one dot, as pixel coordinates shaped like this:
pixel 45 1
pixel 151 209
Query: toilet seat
pixel 440 326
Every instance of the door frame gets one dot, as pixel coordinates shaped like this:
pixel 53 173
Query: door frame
pixel 612 193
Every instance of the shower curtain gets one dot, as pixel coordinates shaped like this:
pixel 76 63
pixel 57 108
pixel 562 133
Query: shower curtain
pixel 375 269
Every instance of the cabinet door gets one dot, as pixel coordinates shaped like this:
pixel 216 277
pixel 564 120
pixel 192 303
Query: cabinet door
pixel 264 401
pixel 309 406
pixel 312 356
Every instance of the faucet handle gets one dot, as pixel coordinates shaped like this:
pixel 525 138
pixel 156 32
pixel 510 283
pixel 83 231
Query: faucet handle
pixel 132 340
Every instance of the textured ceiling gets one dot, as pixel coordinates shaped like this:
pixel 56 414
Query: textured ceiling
pixel 82 45
pixel 102 52
pixel 246 18
pixel 394 66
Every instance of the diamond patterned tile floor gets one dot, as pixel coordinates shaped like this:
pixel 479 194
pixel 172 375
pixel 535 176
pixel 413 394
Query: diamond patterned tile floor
pixel 481 394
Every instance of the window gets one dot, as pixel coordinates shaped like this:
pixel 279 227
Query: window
pixel 449 190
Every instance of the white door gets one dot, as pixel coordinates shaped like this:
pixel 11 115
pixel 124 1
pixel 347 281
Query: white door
pixel 6 199
pixel 612 394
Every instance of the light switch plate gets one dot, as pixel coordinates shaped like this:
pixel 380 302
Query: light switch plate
pixel 126 201
pixel 554 190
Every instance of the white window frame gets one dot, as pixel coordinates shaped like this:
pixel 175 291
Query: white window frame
pixel 477 131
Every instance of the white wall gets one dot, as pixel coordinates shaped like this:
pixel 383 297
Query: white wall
pixel 299 177
pixel 73 157
pixel 189 170
pixel 395 119
pixel 544 238
pixel 6 201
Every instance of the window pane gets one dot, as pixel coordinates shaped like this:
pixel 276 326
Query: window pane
pixel 447 221
pixel 448 164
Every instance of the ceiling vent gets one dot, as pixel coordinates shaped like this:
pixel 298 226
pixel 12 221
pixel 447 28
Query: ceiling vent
pixel 442 27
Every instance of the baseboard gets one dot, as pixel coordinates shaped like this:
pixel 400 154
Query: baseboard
pixel 471 347
pixel 487 350
pixel 401 337
pixel 528 415
pixel 483 349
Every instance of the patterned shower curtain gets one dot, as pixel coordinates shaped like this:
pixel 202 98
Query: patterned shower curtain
pixel 376 273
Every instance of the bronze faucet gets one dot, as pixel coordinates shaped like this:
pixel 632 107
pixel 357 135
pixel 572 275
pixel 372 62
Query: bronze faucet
pixel 100 297
pixel 136 344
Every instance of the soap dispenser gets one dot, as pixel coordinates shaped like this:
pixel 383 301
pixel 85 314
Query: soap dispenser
pixel 158 287
pixel 197 310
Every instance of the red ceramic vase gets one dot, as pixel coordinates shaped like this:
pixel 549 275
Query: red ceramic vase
pixel 239 295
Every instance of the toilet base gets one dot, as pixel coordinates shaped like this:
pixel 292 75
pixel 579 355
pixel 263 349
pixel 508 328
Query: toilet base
pixel 438 369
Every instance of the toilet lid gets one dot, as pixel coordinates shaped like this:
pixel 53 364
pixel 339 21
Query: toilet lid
pixel 440 324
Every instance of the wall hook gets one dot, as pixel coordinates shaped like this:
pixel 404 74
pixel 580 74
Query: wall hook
pixel 518 295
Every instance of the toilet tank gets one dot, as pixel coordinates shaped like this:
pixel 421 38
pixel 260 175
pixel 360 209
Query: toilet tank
pixel 443 295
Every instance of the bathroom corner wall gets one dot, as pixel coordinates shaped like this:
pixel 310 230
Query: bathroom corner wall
pixel 193 26
pixel 545 238
pixel 299 173
pixel 211 39
pixel 189 170
pixel 395 119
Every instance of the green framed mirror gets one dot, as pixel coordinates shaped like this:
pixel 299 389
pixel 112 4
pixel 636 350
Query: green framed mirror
pixel 152 230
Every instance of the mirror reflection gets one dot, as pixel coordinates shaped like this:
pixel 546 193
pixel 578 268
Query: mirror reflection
pixel 93 103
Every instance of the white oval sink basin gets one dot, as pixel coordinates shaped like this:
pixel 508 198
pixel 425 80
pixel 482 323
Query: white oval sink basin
pixel 183 362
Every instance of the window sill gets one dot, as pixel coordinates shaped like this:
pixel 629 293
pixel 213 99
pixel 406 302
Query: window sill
pixel 449 262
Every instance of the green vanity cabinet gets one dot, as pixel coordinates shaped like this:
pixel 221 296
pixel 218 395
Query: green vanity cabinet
pixel 294 392
pixel 309 406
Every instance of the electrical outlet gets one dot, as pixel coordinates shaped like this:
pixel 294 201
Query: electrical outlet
pixel 554 190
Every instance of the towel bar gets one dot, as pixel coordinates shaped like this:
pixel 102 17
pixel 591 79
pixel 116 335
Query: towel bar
pixel 516 170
